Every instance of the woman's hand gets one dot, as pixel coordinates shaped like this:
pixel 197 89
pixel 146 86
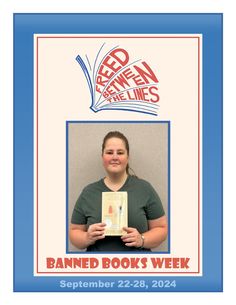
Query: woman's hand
pixel 95 232
pixel 132 238
pixel 156 234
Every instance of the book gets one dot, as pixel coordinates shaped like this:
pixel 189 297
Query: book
pixel 117 81
pixel 115 212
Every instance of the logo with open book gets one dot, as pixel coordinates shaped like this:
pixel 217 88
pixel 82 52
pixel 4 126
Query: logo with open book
pixel 118 82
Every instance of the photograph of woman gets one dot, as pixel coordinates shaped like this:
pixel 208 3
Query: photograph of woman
pixel 147 223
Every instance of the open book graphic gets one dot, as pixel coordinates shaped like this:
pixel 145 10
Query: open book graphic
pixel 117 82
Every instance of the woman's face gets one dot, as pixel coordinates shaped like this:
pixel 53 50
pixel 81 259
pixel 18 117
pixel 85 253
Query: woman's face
pixel 115 156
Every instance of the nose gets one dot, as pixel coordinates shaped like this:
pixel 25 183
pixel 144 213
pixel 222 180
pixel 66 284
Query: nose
pixel 114 155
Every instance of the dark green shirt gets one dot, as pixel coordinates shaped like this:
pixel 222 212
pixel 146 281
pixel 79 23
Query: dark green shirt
pixel 143 204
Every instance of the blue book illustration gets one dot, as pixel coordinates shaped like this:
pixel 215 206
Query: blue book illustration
pixel 117 82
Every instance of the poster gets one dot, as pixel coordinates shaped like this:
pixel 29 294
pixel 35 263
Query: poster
pixel 159 80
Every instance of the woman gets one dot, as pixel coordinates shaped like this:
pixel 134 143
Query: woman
pixel 147 224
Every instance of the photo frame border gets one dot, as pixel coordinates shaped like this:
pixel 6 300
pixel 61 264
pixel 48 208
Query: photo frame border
pixel 168 123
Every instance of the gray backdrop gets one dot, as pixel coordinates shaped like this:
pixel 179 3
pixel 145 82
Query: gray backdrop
pixel 148 158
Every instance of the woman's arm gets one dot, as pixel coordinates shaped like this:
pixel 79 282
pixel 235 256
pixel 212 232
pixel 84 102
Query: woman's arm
pixel 156 234
pixel 81 238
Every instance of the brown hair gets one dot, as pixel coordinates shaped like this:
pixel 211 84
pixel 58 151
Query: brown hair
pixel 119 135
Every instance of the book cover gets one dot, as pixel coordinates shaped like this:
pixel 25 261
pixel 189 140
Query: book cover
pixel 115 212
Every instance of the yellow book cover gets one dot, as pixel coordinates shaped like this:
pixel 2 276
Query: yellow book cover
pixel 115 212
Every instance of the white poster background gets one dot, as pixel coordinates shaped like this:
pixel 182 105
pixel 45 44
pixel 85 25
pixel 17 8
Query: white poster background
pixel 62 94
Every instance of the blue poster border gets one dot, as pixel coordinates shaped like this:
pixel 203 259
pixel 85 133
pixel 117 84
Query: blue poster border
pixel 210 25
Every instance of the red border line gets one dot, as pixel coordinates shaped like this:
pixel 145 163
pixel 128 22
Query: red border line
pixel 199 151
pixel 37 167
pixel 119 272
pixel 147 37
